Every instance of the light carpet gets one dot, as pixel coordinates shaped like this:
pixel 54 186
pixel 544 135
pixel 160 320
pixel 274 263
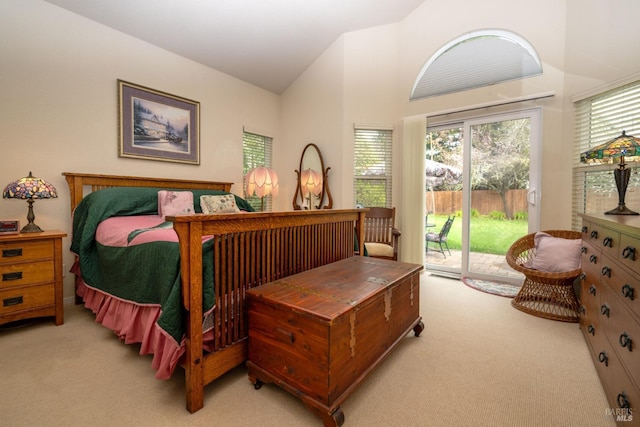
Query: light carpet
pixel 479 362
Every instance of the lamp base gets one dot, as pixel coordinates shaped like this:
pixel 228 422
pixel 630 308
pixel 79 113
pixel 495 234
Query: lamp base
pixel 621 210
pixel 31 228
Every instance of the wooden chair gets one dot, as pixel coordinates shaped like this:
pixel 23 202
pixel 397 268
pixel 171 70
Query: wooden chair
pixel 380 235
pixel 544 294
pixel 440 238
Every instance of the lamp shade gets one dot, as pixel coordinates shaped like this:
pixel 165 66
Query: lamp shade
pixel 29 187
pixel 262 181
pixel 621 146
pixel 310 182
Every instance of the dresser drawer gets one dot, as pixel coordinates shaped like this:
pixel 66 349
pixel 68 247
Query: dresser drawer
pixel 21 274
pixel 19 299
pixel 624 285
pixel 12 252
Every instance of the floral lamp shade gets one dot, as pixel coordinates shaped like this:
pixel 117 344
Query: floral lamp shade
pixel 621 146
pixel 262 181
pixel 310 182
pixel 30 188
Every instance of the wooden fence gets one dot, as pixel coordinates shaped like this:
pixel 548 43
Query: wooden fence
pixel 483 201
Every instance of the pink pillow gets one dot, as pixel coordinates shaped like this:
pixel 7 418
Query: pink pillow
pixel 555 254
pixel 175 203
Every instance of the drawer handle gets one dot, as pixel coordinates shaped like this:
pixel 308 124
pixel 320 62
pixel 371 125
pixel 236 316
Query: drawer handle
pixel 626 341
pixel 591 330
pixel 629 253
pixel 582 310
pixel 603 358
pixel 604 310
pixel 583 249
pixel 593 259
pixel 9 253
pixel 16 275
pixel 607 241
pixel 623 402
pixel 287 334
pixel 592 290
pixel 628 292
pixel 8 302
pixel 594 234
pixel 606 271
pixel 584 229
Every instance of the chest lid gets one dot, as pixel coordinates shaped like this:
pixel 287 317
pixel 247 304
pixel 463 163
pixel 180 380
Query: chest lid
pixel 331 290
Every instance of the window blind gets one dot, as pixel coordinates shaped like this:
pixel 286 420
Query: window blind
pixel 256 151
pixel 372 167
pixel 598 119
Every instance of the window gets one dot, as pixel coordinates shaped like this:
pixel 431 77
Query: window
pixel 256 150
pixel 372 167
pixel 598 119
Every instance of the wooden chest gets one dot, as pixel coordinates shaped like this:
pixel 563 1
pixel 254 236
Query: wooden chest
pixel 319 333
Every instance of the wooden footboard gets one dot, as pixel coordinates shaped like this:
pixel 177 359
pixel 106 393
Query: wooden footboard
pixel 249 250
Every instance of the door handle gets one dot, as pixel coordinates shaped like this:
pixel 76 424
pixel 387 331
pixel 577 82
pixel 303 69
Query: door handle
pixel 531 197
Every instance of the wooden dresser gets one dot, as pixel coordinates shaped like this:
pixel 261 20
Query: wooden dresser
pixel 318 334
pixel 610 309
pixel 31 276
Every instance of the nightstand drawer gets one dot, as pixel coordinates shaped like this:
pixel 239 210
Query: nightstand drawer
pixel 13 300
pixel 12 252
pixel 26 274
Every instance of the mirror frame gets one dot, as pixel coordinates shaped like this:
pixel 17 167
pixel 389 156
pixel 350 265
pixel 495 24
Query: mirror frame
pixel 308 151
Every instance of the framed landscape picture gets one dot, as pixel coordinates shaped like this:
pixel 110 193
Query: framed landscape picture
pixel 157 126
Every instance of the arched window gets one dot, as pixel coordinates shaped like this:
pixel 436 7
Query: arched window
pixel 476 59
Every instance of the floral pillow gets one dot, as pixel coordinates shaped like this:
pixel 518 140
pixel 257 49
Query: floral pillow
pixel 218 204
pixel 175 203
pixel 555 254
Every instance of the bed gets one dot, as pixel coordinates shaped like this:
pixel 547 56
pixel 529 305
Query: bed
pixel 219 257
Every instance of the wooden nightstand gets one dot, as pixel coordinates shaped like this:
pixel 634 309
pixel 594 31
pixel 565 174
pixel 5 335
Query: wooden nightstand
pixel 31 276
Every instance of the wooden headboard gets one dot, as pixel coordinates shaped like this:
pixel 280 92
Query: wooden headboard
pixel 78 181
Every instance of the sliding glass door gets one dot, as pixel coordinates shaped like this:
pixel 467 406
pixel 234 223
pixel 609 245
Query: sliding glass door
pixel 495 198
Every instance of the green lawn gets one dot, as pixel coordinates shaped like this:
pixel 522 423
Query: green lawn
pixel 489 236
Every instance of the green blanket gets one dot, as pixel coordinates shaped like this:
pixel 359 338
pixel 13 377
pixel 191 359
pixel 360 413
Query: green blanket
pixel 153 267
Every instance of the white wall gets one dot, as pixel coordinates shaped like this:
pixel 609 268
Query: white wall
pixel 59 109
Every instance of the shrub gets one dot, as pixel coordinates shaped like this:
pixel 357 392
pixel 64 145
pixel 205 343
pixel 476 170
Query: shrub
pixel 521 215
pixel 499 215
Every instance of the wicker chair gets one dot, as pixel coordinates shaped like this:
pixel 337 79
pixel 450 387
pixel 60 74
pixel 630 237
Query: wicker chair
pixel 544 294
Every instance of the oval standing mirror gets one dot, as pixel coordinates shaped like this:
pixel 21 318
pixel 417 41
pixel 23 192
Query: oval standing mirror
pixel 312 181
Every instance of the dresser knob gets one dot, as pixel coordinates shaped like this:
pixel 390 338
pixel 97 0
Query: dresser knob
pixel 604 310
pixel 623 402
pixel 607 241
pixel 603 358
pixel 583 249
pixel 10 253
pixel 628 292
pixel 591 330
pixel 593 259
pixel 584 229
pixel 16 275
pixel 629 253
pixel 625 341
pixel 592 290
pixel 606 271
pixel 594 234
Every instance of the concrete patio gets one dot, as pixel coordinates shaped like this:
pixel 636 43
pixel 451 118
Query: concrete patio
pixel 479 262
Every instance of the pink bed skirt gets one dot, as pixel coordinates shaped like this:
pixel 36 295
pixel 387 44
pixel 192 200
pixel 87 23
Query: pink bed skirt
pixel 136 323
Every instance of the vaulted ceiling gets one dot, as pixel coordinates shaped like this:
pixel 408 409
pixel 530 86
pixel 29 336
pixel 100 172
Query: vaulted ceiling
pixel 268 43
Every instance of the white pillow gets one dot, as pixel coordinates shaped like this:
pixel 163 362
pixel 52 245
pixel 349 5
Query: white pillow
pixel 555 254
pixel 218 204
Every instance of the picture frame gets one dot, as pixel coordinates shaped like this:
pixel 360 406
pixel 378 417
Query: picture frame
pixel 155 125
